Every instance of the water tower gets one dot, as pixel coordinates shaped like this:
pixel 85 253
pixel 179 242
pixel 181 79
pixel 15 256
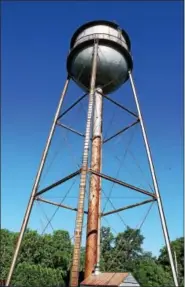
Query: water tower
pixel 99 62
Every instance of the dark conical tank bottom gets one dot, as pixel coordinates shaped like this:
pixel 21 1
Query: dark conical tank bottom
pixel 113 65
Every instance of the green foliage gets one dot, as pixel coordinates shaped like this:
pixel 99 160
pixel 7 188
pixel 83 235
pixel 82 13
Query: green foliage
pixel 62 250
pixel 53 251
pixel 82 259
pixel 124 253
pixel 31 248
pixel 107 242
pixel 8 240
pixel 149 273
pixel 45 260
pixel 29 275
pixel 127 249
pixel 118 254
pixel 177 247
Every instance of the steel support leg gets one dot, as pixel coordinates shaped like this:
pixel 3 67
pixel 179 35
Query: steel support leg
pixel 35 186
pixel 74 278
pixel 156 188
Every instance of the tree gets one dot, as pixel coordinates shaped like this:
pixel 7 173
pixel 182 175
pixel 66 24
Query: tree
pixel 127 248
pixel 61 249
pixel 177 246
pixel 124 253
pixel 107 243
pixel 31 248
pixel 82 259
pixel 8 240
pixel 107 239
pixel 30 275
pixel 150 274
pixel 46 253
pixel 45 260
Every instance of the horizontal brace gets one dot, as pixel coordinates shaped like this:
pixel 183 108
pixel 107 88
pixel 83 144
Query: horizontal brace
pixel 127 207
pixel 121 131
pixel 70 129
pixel 58 204
pixel 58 182
pixel 112 179
pixel 72 106
pixel 119 105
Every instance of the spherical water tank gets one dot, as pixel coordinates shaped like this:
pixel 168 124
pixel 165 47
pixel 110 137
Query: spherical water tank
pixel 114 59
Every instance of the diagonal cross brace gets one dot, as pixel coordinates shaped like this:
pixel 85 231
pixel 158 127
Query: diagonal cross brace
pixel 121 131
pixel 112 179
pixel 120 106
pixel 127 207
pixel 72 106
pixel 58 204
pixel 70 129
pixel 58 182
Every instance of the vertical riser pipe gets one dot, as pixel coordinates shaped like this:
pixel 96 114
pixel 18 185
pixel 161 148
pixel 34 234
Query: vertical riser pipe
pixel 93 221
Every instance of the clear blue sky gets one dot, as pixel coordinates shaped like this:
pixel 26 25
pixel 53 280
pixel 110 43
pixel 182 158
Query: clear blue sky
pixel 35 44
